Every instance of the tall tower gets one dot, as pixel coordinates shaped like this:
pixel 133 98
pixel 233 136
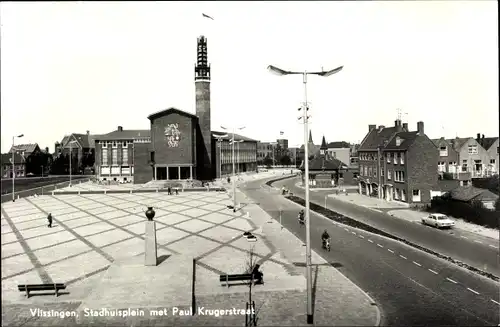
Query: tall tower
pixel 202 86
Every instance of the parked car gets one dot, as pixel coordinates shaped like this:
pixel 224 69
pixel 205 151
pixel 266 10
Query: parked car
pixel 438 220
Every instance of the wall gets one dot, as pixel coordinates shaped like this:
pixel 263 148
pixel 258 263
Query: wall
pixel 452 154
pixel 184 152
pixel 421 160
pixel 342 154
pixel 493 154
pixel 143 172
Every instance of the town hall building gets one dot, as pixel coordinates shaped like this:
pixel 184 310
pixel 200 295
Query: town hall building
pixel 178 146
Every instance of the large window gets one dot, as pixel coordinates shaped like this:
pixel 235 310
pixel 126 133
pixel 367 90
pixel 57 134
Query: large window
pixel 125 156
pixel 399 176
pixel 104 156
pixel 114 156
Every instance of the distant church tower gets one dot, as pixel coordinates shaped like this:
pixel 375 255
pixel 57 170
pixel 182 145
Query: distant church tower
pixel 204 137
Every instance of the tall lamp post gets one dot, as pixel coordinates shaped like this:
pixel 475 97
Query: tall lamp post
pixel 70 157
pixel 219 142
pixel 238 155
pixel 14 166
pixel 232 157
pixel 281 72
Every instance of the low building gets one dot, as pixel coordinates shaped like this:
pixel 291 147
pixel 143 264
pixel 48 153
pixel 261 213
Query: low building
pixel 82 147
pixel 324 170
pixel 396 164
pixel 19 165
pixel 470 194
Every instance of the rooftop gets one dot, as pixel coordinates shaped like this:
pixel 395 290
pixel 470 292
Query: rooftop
pixel 469 193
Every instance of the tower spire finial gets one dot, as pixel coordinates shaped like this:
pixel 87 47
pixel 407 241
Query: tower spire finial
pixel 202 67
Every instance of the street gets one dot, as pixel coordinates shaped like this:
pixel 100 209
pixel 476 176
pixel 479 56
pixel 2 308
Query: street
pixel 409 286
pixel 483 255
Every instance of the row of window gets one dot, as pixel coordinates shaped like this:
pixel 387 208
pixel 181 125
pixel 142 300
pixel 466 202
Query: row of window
pixel 395 157
pixel 399 176
pixel 114 144
pixel 114 156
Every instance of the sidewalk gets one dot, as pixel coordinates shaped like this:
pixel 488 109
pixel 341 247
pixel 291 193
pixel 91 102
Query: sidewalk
pixel 338 301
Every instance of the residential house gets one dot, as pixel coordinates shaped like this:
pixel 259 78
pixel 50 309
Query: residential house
pixel 19 165
pixel 397 164
pixel 325 171
pixel 340 150
pixel 29 152
pixel 26 150
pixel 82 148
pixel 491 145
pixel 473 158
pixel 470 194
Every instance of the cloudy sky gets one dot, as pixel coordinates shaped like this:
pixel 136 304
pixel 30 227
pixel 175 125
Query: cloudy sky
pixel 77 66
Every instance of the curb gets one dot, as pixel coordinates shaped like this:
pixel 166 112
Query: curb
pixel 419 247
pixel 371 300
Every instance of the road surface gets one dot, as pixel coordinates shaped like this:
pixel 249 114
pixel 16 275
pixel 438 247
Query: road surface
pixel 410 287
pixel 475 250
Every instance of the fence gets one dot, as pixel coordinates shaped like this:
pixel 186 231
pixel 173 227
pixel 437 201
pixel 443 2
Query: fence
pixel 42 190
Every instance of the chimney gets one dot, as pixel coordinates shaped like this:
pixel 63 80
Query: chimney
pixel 405 126
pixel 371 127
pixel 88 132
pixel 120 129
pixel 483 137
pixel 381 127
pixel 397 122
pixel 478 137
pixel 420 127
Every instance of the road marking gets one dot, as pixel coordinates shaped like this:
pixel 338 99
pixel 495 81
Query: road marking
pixel 432 271
pixel 495 301
pixel 417 264
pixel 492 246
pixel 464 237
pixel 379 245
pixel 353 233
pixel 402 256
pixel 370 241
pixel 477 241
pixel 475 292
pixel 390 250
pixel 451 280
pixel 361 236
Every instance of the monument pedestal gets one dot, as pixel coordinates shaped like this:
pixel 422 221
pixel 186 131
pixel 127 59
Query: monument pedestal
pixel 150 254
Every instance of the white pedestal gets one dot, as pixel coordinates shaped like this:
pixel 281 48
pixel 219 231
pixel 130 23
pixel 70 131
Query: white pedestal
pixel 150 254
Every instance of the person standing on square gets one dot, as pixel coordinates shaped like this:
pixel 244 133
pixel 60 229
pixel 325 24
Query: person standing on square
pixel 49 218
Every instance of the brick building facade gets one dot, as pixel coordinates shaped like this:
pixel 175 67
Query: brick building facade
pixel 396 164
pixel 178 145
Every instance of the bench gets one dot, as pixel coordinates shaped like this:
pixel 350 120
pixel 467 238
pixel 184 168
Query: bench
pixel 41 287
pixel 237 279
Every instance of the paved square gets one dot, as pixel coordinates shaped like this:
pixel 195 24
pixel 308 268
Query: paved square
pixel 90 231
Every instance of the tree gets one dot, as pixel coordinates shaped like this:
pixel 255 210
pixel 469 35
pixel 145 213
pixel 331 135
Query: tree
pixel 285 160
pixel 268 162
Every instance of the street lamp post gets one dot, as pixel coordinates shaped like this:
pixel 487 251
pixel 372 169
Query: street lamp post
pixel 281 72
pixel 14 166
pixel 232 157
pixel 70 157
pixel 238 155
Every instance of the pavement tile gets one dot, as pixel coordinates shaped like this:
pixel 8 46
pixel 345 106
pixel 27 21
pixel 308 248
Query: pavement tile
pixel 172 218
pixel 216 218
pixel 125 248
pixel 195 212
pixel 69 269
pixel 93 229
pixel 108 237
pixel 8 238
pixel 16 264
pixel 56 253
pixel 127 220
pixel 241 224
pixel 50 239
pixel 138 228
pixel 169 234
pixel 194 225
pixel 27 217
pixel 11 249
pixel 41 230
pixel 221 234
pixel 85 220
pixel 212 207
pixel 193 246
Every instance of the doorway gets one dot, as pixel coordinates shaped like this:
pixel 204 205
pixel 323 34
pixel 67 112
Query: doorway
pixel 173 173
pixel 161 173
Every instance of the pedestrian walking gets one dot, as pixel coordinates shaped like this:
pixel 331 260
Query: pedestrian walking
pixel 49 218
pixel 169 191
